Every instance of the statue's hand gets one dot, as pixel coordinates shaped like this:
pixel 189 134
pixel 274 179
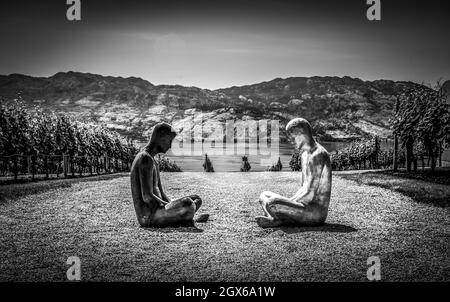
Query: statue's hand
pixel 272 199
pixel 298 203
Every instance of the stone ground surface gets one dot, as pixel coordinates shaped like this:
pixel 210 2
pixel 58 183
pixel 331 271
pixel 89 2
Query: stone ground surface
pixel 95 220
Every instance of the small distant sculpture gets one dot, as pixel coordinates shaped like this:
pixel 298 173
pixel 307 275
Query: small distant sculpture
pixel 153 207
pixel 245 164
pixel 309 206
pixel 277 167
pixel 207 165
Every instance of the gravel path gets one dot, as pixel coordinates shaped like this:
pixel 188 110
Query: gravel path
pixel 95 221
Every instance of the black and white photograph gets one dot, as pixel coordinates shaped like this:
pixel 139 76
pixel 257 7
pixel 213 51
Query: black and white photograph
pixel 205 142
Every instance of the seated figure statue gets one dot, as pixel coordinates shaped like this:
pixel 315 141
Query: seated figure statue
pixel 309 206
pixel 153 207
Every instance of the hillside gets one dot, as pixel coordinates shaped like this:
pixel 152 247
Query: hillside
pixel 339 108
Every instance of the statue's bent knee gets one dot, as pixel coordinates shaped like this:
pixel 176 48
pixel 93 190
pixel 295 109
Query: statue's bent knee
pixel 188 212
pixel 197 200
pixel 188 203
pixel 265 194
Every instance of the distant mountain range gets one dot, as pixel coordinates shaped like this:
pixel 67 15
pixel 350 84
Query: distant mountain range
pixel 339 108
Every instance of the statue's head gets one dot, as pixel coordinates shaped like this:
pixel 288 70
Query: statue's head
pixel 162 137
pixel 300 133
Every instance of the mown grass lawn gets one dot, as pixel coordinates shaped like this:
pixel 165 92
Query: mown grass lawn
pixel 94 219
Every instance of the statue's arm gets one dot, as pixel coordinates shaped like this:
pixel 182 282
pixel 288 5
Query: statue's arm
pixel 161 190
pixel 146 180
pixel 301 191
pixel 312 180
pixel 280 200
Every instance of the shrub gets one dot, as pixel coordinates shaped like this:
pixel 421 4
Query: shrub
pixel 296 162
pixel 166 165
pixel 358 155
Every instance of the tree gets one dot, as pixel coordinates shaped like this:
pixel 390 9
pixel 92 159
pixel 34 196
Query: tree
pixel 34 133
pixel 15 129
pixel 423 116
pixel 395 154
pixel 166 165
pixel 433 124
pixel 357 155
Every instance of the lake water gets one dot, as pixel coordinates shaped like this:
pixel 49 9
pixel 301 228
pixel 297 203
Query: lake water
pixel 232 163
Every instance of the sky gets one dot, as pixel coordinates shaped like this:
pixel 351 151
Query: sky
pixel 217 44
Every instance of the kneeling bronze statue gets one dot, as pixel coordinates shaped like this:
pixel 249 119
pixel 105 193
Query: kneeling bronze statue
pixel 153 207
pixel 309 206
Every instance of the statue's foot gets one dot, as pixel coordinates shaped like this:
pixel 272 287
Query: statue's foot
pixel 202 218
pixel 267 222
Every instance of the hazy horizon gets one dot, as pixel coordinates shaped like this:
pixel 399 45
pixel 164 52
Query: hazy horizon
pixel 224 87
pixel 213 45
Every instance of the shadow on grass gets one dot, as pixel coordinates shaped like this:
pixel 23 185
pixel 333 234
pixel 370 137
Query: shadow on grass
pixel 440 176
pixel 180 229
pixel 413 185
pixel 327 227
